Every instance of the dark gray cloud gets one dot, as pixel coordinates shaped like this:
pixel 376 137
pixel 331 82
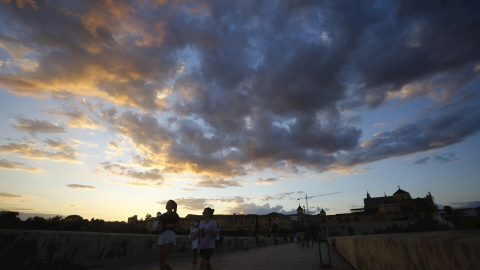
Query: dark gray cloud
pixel 422 161
pixel 250 85
pixel 445 158
pixel 283 195
pixel 442 158
pixel 428 134
pixel 34 126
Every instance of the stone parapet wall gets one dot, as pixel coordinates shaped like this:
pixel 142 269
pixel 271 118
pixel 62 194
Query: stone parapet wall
pixel 28 249
pixel 431 250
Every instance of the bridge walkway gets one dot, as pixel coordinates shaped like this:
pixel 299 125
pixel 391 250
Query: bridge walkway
pixel 287 256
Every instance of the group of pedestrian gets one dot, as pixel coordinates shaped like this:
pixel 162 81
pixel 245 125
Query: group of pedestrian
pixel 304 239
pixel 202 236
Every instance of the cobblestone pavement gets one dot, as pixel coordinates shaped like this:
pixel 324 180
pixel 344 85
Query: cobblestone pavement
pixel 288 256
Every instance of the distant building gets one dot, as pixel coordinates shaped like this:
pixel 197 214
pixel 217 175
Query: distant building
pixel 133 220
pixel 248 224
pixel 190 220
pixel 400 210
pixel 302 221
pixel 400 203
pixel 461 219
pixel 379 213
pixel 237 222
pixel 274 223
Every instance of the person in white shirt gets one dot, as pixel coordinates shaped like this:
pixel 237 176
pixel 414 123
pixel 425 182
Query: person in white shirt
pixel 207 230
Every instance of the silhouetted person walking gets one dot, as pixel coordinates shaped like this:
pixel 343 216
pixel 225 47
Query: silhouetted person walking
pixel 166 224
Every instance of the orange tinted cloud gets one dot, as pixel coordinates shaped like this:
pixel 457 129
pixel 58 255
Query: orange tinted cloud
pixel 25 150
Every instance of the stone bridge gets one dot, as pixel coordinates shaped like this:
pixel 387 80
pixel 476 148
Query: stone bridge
pixel 82 250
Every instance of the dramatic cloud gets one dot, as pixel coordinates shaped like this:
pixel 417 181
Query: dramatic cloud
pixel 425 135
pixel 150 175
pixel 34 126
pixel 224 89
pixel 11 165
pixel 76 186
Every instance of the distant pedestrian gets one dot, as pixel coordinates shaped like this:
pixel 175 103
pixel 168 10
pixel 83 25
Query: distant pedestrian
pixel 166 225
pixel 262 241
pixel 307 239
pixel 207 232
pixel 219 240
pixel 193 231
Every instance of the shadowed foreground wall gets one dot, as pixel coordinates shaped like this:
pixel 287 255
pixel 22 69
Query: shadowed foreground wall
pixel 21 249
pixel 432 250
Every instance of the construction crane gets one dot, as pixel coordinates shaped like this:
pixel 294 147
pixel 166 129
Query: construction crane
pixel 309 197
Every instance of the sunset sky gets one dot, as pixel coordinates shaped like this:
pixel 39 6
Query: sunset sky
pixel 110 108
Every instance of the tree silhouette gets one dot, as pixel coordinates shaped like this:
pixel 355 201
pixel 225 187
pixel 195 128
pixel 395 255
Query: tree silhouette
pixel 35 223
pixel 9 220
